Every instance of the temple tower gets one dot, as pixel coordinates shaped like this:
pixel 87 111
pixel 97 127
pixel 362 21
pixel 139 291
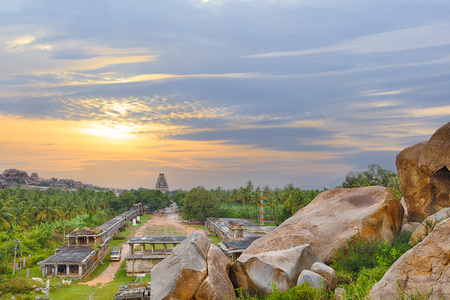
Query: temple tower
pixel 161 184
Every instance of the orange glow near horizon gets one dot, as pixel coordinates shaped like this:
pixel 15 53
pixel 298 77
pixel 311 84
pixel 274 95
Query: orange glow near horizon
pixel 47 146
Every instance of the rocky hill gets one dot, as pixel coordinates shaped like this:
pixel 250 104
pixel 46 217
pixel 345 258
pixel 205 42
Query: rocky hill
pixel 12 177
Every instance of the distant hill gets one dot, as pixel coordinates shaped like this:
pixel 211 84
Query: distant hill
pixel 13 177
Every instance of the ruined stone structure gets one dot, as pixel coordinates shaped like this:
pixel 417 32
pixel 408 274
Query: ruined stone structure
pixel 141 261
pixel 85 248
pixel 236 230
pixel 161 184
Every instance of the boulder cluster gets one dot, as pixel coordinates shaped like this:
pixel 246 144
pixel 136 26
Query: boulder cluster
pixel 334 217
pixel 195 270
pixel 424 175
pixel 299 249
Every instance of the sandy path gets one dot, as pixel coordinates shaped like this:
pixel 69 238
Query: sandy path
pixel 157 219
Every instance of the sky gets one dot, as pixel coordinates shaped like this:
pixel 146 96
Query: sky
pixel 218 92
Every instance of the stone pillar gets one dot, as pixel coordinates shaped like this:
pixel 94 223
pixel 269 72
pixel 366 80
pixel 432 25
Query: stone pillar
pixel 165 249
pixel 44 271
pixel 153 248
pixel 80 272
pixel 56 270
pixel 67 270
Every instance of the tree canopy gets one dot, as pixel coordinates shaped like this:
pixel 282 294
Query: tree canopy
pixel 199 204
pixel 374 175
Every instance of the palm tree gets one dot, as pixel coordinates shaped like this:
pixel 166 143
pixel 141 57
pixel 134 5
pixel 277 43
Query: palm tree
pixel 21 214
pixel 292 198
pixel 48 209
pixel 70 206
pixel 6 216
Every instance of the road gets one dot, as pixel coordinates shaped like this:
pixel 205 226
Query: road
pixel 167 219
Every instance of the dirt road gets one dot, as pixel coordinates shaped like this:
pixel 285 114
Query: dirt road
pixel 160 220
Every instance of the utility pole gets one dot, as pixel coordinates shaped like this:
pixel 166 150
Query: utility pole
pixel 15 253
pixel 261 209
pixel 21 258
pixel 6 254
pixel 64 242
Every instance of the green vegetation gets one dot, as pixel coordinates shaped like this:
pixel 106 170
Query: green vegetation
pixel 374 175
pixel 279 204
pixel 358 267
pixel 164 230
pixel 42 218
pixel 199 204
pixel 152 198
pixel 304 292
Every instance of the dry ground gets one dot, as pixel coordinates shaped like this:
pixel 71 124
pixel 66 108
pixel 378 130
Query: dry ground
pixel 159 225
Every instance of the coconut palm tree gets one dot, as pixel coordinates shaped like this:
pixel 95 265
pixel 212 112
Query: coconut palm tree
pixel 48 209
pixel 70 206
pixel 6 216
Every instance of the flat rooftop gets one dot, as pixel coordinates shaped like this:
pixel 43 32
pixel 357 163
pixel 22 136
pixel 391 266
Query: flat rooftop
pixel 156 240
pixel 240 244
pixel 251 229
pixel 84 232
pixel 70 256
pixel 108 224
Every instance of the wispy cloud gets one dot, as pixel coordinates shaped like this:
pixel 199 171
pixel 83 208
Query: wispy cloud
pixel 396 40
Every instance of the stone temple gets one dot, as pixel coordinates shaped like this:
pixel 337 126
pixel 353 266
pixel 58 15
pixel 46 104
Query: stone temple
pixel 161 184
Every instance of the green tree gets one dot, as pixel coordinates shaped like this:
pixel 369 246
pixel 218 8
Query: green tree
pixel 199 204
pixel 6 216
pixel 178 198
pixel 47 209
pixel 154 199
pixel 127 199
pixel 374 175
pixel 70 206
pixel 292 198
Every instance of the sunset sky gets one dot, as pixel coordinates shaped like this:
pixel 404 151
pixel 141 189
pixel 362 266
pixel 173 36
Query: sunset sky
pixel 219 92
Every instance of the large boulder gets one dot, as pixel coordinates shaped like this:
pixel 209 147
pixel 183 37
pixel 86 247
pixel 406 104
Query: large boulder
pixel 217 284
pixel 15 174
pixel 195 270
pixel 256 273
pixel 424 228
pixel 335 216
pixel 424 175
pixel 315 280
pixel 423 269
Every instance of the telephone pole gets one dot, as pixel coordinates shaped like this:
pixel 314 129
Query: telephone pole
pixel 15 253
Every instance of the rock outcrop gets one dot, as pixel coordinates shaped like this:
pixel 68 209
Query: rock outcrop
pixel 423 269
pixel 335 216
pixel 256 273
pixel 217 284
pixel 315 280
pixel 195 270
pixel 424 175
pixel 410 227
pixel 428 224
pixel 34 178
pixel 15 174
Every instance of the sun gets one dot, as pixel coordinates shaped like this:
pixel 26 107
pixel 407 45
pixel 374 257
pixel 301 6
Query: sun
pixel 119 132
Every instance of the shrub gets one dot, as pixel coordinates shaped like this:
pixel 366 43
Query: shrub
pixel 361 254
pixel 15 286
pixel 360 288
pixel 304 292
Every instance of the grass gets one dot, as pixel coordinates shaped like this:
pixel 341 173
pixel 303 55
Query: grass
pixel 215 240
pixel 76 290
pixel 198 227
pixel 164 230
pixel 130 230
